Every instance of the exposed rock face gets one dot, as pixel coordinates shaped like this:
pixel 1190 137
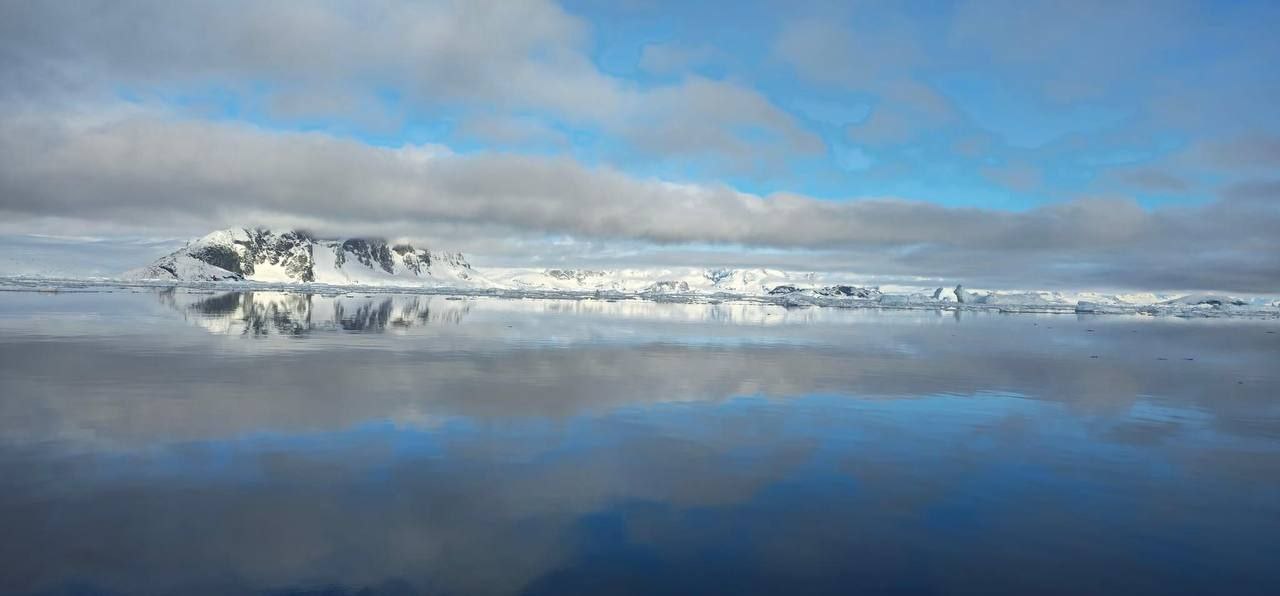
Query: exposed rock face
pixel 296 256
pixel 668 287
pixel 367 253
pixel 840 291
pixel 291 250
pixel 718 276
pixel 1207 300
pixel 578 275
pixel 848 292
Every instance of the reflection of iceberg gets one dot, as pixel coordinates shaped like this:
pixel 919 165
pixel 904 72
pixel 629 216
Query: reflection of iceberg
pixel 287 313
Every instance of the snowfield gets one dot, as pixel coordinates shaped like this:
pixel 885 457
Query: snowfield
pixel 262 260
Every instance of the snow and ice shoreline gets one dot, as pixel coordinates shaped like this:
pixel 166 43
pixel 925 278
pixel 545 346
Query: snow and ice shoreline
pixel 1188 306
pixel 294 261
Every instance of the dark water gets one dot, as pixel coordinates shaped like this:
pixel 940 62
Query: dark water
pixel 180 443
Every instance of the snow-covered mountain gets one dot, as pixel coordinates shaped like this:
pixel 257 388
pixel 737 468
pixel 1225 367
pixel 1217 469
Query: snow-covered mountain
pixel 297 257
pixel 260 255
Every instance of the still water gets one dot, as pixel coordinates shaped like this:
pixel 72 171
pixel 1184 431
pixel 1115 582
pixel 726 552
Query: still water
pixel 177 442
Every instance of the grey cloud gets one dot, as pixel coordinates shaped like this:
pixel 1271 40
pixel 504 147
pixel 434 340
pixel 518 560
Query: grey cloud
pixel 166 173
pixel 706 117
pixel 1251 151
pixel 668 58
pixel 458 49
pixel 512 130
pixel 1020 177
pixel 876 60
pixel 1043 39
pixel 1150 179
pixel 1255 190
pixel 820 50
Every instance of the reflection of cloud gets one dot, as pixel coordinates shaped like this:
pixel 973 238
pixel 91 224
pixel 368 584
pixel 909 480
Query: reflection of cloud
pixel 708 493
pixel 476 522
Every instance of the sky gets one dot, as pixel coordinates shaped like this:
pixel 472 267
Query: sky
pixel 1001 143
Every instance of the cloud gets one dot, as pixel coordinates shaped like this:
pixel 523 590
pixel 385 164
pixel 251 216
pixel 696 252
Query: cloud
pixel 1072 50
pixel 705 117
pixel 668 58
pixel 1243 152
pixel 906 110
pixel 330 59
pixel 1019 177
pixel 1150 180
pixel 822 51
pixel 1267 191
pixel 156 172
pixel 511 131
pixel 458 50
pixel 876 60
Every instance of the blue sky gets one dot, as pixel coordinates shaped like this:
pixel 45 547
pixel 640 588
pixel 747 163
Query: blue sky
pixel 1003 107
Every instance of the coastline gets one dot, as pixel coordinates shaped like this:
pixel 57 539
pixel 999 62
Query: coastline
pixel 793 300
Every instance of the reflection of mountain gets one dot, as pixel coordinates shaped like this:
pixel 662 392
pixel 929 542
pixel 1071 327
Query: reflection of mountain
pixel 286 313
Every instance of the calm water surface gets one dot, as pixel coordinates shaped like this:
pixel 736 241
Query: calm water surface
pixel 193 443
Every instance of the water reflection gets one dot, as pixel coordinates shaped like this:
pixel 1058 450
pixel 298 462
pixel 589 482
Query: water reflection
pixel 498 447
pixel 286 313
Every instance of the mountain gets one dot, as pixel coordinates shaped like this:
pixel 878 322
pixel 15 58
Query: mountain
pixel 297 257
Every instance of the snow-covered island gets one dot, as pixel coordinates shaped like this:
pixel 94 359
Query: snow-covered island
pixel 256 258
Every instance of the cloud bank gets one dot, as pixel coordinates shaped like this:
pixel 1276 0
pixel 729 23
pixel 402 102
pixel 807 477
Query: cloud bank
pixel 146 170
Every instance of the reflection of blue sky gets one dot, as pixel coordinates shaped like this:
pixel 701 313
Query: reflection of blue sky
pixel 751 494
